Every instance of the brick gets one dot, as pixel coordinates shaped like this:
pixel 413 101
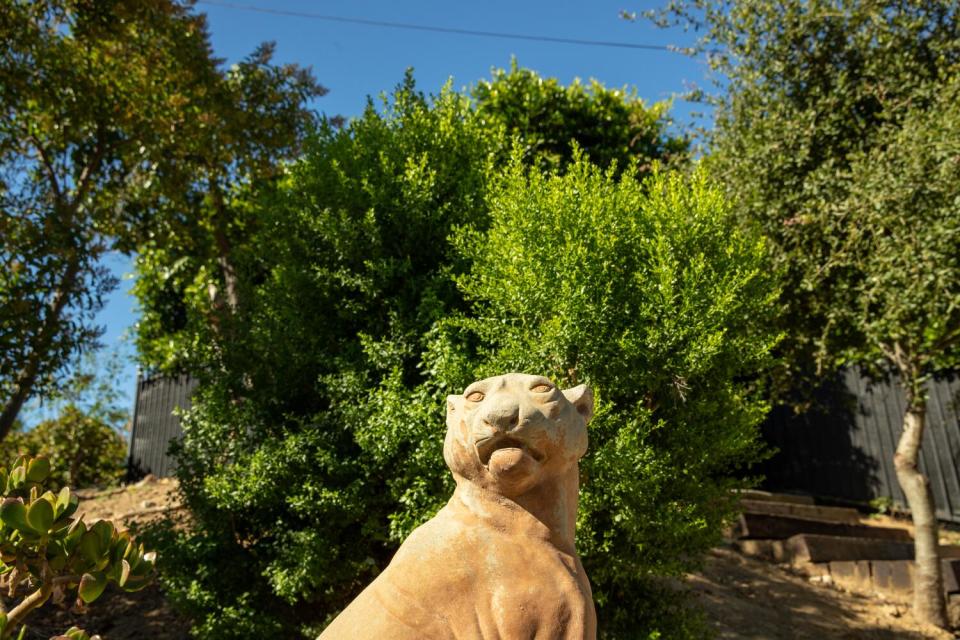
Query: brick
pixel 851 574
pixel 826 514
pixel 758 525
pixel 892 576
pixel 820 548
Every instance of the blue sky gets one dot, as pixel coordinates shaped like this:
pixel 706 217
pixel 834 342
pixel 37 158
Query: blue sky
pixel 354 61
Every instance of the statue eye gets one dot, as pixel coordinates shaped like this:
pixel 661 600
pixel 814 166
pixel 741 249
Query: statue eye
pixel 475 396
pixel 542 388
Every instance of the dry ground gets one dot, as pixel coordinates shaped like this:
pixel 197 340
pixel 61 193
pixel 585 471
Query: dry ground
pixel 748 599
pixel 744 598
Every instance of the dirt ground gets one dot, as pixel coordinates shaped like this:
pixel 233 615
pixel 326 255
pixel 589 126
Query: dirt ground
pixel 748 599
pixel 743 598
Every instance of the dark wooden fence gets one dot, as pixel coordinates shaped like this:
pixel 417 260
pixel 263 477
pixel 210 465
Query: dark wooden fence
pixel 843 448
pixel 155 423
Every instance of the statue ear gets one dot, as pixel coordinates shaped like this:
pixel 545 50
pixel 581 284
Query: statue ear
pixel 452 402
pixel 581 397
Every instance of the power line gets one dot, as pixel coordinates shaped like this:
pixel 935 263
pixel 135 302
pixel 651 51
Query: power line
pixel 435 29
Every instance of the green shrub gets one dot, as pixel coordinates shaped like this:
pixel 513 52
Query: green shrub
pixel 85 450
pixel 647 293
pixel 347 270
pixel 84 442
pixel 47 554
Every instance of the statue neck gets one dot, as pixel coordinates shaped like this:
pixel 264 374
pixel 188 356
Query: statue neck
pixel 547 511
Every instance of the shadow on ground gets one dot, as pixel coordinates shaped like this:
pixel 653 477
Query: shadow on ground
pixel 746 599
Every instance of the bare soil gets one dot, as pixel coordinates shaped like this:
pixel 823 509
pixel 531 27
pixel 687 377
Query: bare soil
pixel 743 598
pixel 749 599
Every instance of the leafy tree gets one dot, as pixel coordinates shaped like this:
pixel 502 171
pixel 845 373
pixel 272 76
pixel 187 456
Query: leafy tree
pixel 826 136
pixel 609 125
pixel 91 99
pixel 904 243
pixel 249 120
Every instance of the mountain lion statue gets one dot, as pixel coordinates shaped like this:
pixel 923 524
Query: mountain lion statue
pixel 498 561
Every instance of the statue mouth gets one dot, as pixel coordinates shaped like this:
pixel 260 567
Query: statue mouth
pixel 490 445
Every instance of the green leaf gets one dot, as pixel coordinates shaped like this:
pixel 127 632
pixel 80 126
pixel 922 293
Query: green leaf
pixel 104 530
pixel 40 515
pixel 14 513
pixel 92 585
pixel 74 534
pixel 38 470
pixel 124 573
pixel 90 546
pixel 64 498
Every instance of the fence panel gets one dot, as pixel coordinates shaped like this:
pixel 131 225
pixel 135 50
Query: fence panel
pixel 155 423
pixel 843 449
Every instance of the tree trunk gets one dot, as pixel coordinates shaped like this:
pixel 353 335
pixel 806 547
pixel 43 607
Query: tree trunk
pixel 928 601
pixel 27 377
pixel 230 280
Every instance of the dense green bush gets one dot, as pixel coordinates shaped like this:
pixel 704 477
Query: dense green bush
pixel 645 292
pixel 347 270
pixel 314 445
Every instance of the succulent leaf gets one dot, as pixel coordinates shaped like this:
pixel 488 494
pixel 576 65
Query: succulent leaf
pixel 92 585
pixel 14 513
pixel 38 469
pixel 40 515
pixel 90 546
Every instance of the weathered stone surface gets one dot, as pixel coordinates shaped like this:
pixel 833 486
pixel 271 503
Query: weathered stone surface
pixel 953 610
pixel 892 576
pixel 840 515
pixel 773 550
pixel 498 561
pixel 766 496
pixel 851 574
pixel 951 575
pixel 759 525
pixel 820 548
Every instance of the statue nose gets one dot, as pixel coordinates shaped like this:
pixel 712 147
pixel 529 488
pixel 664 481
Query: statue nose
pixel 503 417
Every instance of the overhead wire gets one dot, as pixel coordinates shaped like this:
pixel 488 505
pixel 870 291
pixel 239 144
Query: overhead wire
pixel 439 29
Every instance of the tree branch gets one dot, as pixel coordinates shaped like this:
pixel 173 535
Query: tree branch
pixel 84 181
pixel 27 605
pixel 50 170
pixel 28 374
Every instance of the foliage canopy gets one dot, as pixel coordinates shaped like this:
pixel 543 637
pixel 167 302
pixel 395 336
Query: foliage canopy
pixel 376 281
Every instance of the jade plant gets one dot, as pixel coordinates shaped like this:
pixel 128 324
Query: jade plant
pixel 47 554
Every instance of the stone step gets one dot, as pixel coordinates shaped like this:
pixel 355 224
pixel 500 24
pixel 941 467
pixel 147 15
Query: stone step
pixel 894 577
pixel 842 515
pixel 775 527
pixel 766 496
pixel 818 548
pixel 821 548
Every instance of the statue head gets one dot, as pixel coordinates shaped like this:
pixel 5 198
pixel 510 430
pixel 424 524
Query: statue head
pixel 510 433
